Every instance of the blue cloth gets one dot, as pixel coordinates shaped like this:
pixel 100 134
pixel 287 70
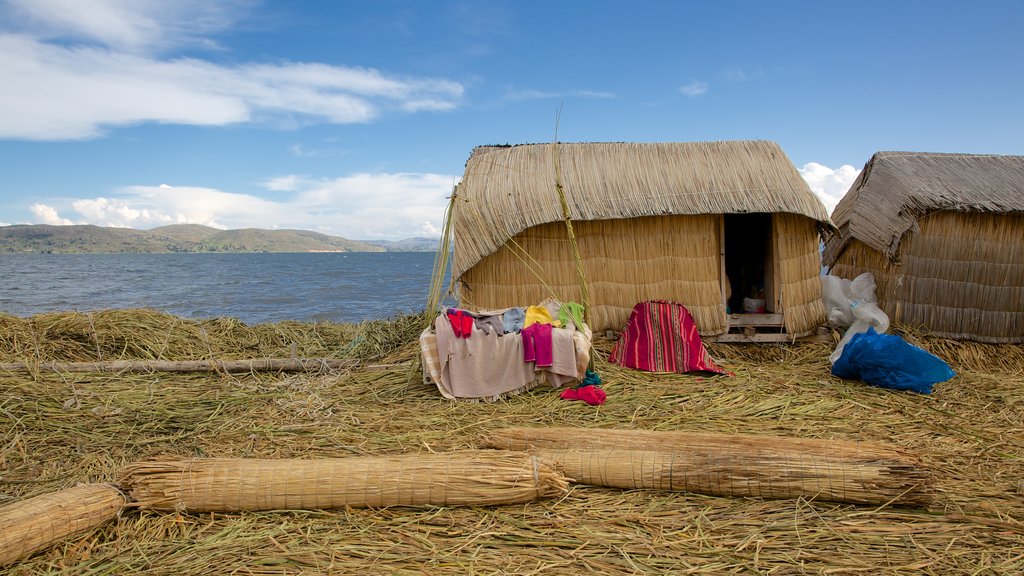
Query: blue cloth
pixel 889 361
pixel 512 320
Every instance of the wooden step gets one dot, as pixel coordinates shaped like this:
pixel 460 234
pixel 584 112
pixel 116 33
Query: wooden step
pixel 757 320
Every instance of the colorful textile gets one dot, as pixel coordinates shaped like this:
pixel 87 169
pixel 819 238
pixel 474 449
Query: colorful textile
pixel 592 395
pixel 484 366
pixel 537 315
pixel 660 336
pixel 537 345
pixel 461 321
pixel 512 319
pixel 489 366
pixel 571 313
pixel 489 322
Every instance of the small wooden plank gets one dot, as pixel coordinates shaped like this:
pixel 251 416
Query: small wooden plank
pixel 772 320
pixel 764 338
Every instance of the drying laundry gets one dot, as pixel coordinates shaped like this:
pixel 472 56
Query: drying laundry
pixel 537 346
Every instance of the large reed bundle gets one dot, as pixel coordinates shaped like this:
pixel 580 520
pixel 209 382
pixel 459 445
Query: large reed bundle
pixel 729 465
pixel 31 525
pixel 234 484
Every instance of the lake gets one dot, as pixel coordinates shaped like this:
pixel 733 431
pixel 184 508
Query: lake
pixel 254 288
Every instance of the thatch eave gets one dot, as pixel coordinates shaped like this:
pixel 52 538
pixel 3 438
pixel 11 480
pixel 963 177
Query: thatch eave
pixel 896 189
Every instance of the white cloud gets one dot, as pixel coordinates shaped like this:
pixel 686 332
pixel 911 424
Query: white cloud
pixel 133 25
pixel 118 213
pixel 694 88
pixel 77 91
pixel 361 206
pixel 429 229
pixel 830 185
pixel 48 215
pixel 288 183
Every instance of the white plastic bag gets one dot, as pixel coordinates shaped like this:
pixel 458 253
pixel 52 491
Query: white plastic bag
pixel 851 304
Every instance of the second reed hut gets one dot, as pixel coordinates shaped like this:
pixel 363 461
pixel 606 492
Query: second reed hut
pixel 704 224
pixel 943 235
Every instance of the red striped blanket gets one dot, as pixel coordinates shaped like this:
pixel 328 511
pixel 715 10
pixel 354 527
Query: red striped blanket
pixel 661 336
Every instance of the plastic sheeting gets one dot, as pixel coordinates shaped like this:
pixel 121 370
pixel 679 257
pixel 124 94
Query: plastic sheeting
pixel 851 304
pixel 889 361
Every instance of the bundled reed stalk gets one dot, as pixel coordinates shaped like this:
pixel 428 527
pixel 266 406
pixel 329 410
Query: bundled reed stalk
pixel 729 465
pixel 235 484
pixel 37 523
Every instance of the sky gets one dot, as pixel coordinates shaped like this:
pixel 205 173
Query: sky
pixel 355 119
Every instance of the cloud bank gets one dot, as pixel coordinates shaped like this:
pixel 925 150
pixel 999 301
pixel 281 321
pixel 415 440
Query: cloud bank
pixel 360 206
pixel 364 206
pixel 84 66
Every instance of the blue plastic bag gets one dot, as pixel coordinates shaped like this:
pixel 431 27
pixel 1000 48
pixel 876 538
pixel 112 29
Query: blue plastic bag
pixel 890 362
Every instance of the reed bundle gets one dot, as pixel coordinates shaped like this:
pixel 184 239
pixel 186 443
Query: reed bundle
pixel 234 484
pixel 729 464
pixel 27 526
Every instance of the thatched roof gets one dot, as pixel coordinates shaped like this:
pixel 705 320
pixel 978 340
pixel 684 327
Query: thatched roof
pixel 895 189
pixel 507 190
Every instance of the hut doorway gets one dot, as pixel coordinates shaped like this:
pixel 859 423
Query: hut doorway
pixel 748 259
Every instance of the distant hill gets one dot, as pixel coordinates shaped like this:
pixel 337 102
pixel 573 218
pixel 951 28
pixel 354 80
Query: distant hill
pixel 88 239
pixel 407 245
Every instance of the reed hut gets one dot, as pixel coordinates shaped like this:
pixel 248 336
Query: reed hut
pixel 942 234
pixel 704 224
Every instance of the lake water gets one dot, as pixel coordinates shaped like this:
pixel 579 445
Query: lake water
pixel 255 288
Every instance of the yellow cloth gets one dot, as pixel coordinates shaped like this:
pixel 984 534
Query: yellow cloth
pixel 538 315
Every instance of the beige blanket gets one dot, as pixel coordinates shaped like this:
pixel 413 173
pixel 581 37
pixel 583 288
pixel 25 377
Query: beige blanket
pixel 487 366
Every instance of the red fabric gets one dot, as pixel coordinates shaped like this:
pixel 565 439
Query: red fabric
pixel 462 322
pixel 661 336
pixel 590 394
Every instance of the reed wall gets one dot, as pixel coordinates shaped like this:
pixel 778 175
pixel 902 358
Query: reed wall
pixel 961 276
pixel 626 261
pixel 799 267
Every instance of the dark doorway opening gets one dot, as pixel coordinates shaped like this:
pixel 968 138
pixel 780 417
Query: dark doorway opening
pixel 748 257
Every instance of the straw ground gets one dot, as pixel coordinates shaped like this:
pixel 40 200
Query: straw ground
pixel 58 430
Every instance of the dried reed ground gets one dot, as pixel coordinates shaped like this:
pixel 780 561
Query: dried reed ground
pixel 58 430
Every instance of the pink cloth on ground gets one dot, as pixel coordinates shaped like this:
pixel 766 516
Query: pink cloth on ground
pixel 537 345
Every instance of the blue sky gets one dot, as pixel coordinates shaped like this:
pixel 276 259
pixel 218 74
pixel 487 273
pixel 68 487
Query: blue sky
pixel 356 118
